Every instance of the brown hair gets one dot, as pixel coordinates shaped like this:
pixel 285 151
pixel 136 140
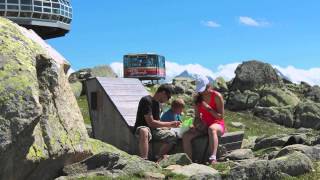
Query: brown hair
pixel 177 103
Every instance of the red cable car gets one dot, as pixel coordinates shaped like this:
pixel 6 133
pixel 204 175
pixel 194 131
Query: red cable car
pixel 144 66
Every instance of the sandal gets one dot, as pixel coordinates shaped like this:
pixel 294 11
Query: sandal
pixel 213 159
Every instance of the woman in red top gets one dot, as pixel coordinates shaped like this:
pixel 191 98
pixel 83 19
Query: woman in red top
pixel 209 108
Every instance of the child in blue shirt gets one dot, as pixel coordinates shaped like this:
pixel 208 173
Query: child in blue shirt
pixel 174 113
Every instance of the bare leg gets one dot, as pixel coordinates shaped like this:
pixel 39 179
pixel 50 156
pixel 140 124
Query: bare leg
pixel 186 140
pixel 165 148
pixel 214 130
pixel 144 142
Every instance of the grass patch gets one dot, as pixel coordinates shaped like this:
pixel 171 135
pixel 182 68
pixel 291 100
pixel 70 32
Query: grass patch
pixel 172 176
pixel 83 105
pixel 254 126
pixel 223 167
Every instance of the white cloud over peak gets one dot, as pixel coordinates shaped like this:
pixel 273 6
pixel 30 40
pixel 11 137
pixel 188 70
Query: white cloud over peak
pixel 311 76
pixel 173 69
pixel 211 24
pixel 249 21
pixel 117 67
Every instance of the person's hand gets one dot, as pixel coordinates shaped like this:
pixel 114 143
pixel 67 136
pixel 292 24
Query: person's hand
pixel 206 105
pixel 175 124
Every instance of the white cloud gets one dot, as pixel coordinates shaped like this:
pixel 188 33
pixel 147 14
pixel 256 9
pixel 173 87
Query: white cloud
pixel 311 76
pixel 117 67
pixel 210 24
pixel 248 21
pixel 226 71
pixel 173 69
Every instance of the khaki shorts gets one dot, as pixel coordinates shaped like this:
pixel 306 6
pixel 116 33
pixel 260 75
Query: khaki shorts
pixel 138 131
pixel 164 135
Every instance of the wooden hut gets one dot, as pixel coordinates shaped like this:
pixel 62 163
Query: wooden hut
pixel 113 104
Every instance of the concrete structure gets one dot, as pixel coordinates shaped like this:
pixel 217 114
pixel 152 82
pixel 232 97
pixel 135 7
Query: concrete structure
pixel 48 18
pixel 113 104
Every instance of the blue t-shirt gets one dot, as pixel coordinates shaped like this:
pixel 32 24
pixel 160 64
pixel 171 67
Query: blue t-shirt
pixel 170 116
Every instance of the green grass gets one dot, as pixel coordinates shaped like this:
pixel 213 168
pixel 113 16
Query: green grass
pixel 254 126
pixel 83 105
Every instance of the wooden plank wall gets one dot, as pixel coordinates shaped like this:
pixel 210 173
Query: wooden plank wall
pixel 117 103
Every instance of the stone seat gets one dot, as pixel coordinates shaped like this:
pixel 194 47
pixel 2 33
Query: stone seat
pixel 200 147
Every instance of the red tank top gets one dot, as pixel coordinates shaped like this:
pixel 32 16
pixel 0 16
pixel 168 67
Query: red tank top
pixel 207 117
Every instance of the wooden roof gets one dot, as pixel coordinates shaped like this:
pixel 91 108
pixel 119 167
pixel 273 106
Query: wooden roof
pixel 125 94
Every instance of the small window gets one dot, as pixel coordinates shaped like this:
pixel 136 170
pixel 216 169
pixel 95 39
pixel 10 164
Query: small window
pixel 36 15
pixel 45 16
pixel 55 17
pixel 13 7
pixel 46 10
pixel 25 14
pixel 56 11
pixel 38 3
pixel 13 1
pixel 37 9
pixel 12 14
pixel 55 5
pixel 94 100
pixel 28 2
pixel 26 8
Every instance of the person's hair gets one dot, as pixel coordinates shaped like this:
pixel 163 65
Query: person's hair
pixel 166 88
pixel 177 103
pixel 198 97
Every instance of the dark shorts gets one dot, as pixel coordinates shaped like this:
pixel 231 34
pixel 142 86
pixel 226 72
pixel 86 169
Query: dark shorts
pixel 158 134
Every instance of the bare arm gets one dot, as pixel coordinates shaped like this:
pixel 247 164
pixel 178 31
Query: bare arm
pixel 153 123
pixel 220 107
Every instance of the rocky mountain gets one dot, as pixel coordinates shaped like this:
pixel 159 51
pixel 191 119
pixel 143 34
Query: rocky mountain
pixel 185 74
pixel 188 75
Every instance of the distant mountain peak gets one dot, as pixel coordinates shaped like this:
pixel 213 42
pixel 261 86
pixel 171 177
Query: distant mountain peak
pixel 187 74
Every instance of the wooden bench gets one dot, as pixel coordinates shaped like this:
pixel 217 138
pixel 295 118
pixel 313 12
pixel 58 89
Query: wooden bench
pixel 200 146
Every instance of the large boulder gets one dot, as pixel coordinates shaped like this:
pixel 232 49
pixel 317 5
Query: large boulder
pixel 175 159
pixel 97 71
pixel 313 152
pixel 275 140
pixel 78 78
pixel 240 154
pixel 293 164
pixel 251 75
pixel 242 100
pixel 314 93
pixel 277 97
pixel 110 164
pixel 195 171
pixel 280 115
pixel 307 115
pixel 41 125
pixel 221 84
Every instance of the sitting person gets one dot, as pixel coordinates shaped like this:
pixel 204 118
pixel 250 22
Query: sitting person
pixel 209 109
pixel 148 125
pixel 174 113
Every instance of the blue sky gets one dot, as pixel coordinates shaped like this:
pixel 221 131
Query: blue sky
pixel 209 33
